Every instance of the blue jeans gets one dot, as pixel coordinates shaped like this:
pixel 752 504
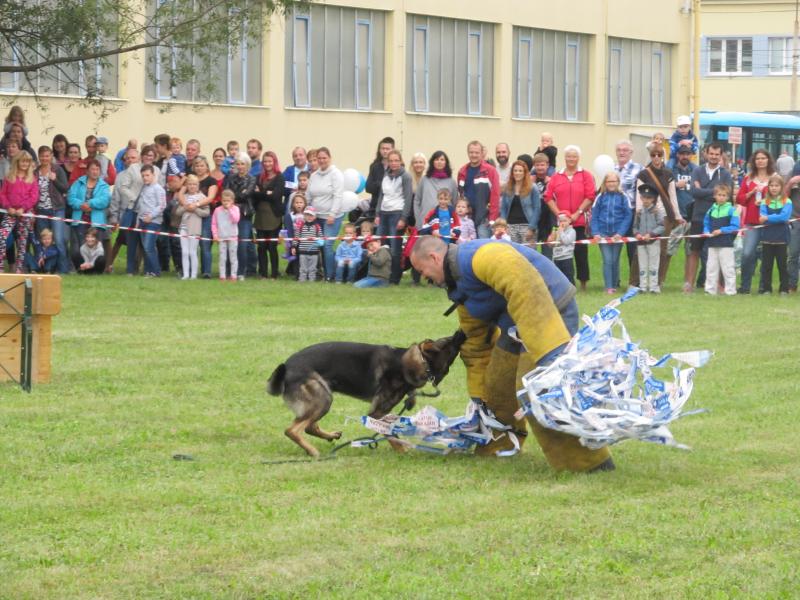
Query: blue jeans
pixel 205 247
pixel 370 282
pixel 388 226
pixel 245 246
pixel 484 231
pixel 793 265
pixel 330 231
pixel 132 239
pixel 352 269
pixel 611 254
pixel 151 262
pixel 59 229
pixel 749 256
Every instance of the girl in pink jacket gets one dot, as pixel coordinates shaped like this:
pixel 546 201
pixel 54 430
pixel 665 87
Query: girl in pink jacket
pixel 19 192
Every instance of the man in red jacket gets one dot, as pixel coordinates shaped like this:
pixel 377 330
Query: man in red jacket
pixel 479 183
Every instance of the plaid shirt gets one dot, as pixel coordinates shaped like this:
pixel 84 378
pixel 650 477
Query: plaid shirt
pixel 627 179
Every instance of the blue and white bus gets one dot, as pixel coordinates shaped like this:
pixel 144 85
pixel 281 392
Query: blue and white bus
pixel 773 131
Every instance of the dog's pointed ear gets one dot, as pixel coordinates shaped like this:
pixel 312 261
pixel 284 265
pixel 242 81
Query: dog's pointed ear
pixel 414 366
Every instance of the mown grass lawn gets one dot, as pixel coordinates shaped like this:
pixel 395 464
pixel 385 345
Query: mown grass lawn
pixel 92 505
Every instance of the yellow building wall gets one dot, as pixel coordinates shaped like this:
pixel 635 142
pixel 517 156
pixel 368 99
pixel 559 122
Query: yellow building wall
pixel 353 135
pixel 726 18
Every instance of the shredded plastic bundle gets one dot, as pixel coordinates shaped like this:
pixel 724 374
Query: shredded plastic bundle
pixel 431 431
pixel 602 389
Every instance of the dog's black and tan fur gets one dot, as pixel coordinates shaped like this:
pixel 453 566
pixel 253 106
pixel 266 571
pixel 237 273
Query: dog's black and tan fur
pixel 382 375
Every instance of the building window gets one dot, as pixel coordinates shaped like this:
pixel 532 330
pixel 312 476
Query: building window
pixel 236 79
pixel 551 79
pixel 450 66
pixel 730 56
pixel 336 58
pixel 780 56
pixel 639 81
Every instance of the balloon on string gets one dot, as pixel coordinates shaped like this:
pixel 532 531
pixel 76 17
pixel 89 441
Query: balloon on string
pixel 602 165
pixel 349 201
pixel 352 179
pixel 362 184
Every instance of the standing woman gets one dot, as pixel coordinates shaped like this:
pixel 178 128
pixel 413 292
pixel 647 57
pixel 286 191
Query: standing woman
pixel 572 190
pixel 418 166
pixel 751 193
pixel 242 184
pixel 325 189
pixel 219 158
pixel 19 192
pixel 520 204
pixel 393 209
pixel 53 187
pixel 268 201
pixel 60 144
pixel 209 187
pixel 89 198
pixel 658 176
pixel 71 162
pixel 438 176
pixel 377 170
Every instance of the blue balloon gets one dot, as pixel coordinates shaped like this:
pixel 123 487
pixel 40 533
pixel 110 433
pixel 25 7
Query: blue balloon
pixel 361 185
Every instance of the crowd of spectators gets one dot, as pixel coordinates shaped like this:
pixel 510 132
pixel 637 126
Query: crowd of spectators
pixel 255 211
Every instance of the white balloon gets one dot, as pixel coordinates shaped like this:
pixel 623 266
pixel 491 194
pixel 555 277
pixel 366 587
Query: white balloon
pixel 602 165
pixel 352 179
pixel 349 201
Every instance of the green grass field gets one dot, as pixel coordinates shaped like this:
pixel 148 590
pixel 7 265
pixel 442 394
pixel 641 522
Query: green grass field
pixel 92 505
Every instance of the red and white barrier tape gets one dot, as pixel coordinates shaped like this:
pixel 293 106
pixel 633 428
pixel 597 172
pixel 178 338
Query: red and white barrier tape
pixel 587 242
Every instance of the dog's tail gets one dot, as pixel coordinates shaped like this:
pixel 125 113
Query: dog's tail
pixel 276 380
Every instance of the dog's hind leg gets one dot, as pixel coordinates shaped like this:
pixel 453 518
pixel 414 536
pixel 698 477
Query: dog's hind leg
pixel 315 430
pixel 294 433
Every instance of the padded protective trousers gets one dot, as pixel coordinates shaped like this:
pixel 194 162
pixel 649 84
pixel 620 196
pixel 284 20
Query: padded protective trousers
pixel 503 378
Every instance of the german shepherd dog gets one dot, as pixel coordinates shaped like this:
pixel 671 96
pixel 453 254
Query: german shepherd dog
pixel 381 375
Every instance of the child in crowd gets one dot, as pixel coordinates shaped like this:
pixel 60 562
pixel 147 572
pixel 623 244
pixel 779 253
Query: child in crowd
pixel 46 254
pixel 19 192
pixel 611 218
pixel 225 230
pixel 191 226
pixel 380 264
pixel 775 212
pixel 547 148
pixel 467 225
pixel 442 221
pixel 293 222
pixel 306 247
pixel 500 230
pixel 648 224
pixel 348 255
pixel 722 223
pixel 682 137
pixel 563 237
pixel 15 116
pixel 302 185
pixel 176 164
pixel 661 140
pixel 233 150
pixel 90 259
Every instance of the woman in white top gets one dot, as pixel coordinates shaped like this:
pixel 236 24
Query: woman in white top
pixel 325 189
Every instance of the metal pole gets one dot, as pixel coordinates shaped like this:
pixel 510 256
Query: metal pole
pixel 696 81
pixel 26 349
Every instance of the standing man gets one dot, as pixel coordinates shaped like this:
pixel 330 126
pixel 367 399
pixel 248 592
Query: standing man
pixel 254 148
pixel 504 285
pixel 682 172
pixel 122 210
pixel 704 178
pixel 299 165
pixel 628 171
pixel 479 184
pixel 785 166
pixel 192 152
pixel 502 154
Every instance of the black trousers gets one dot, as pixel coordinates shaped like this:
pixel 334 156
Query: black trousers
pixel 581 255
pixel 98 268
pixel 778 254
pixel 265 248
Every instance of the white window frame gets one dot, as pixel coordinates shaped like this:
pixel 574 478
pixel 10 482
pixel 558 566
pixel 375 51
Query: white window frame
pixel 787 52
pixel 14 76
pixel 307 19
pixel 361 22
pixel 576 44
pixel 615 108
pixel 426 68
pixel 657 87
pixel 243 61
pixel 471 73
pixel 173 59
pixel 723 60
pixel 528 112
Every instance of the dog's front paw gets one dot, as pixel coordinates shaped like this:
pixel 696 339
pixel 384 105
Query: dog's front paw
pixel 410 402
pixel 335 435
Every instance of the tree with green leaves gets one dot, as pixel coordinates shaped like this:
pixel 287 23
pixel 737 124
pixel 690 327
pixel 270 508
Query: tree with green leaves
pixel 75 46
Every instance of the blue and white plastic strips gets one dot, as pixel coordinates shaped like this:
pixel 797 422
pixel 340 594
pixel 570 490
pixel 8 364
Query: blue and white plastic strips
pixel 603 390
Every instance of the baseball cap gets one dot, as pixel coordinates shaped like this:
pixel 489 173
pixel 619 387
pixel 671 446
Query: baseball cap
pixel 647 190
pixel 684 150
pixel 684 120
pixel 369 239
pixel 102 140
pixel 310 210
